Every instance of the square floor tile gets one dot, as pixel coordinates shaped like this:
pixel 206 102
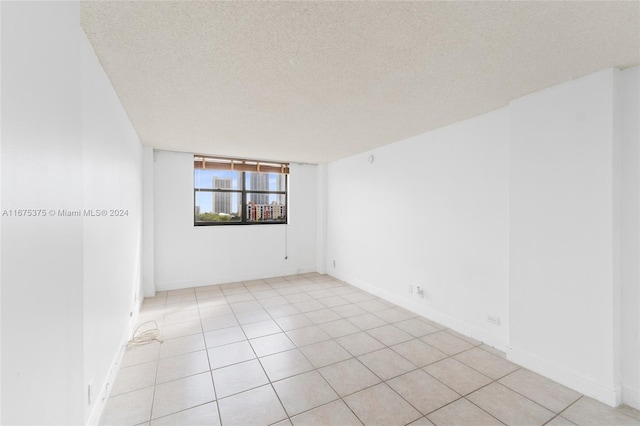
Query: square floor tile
pixel 206 414
pixel 325 353
pixel 182 366
pixel 457 376
pixel 182 316
pixel 298 297
pixel 251 305
pixel 240 297
pixel 181 394
pixel 423 391
pixel 446 342
pixel 285 364
pixel 282 311
pixel 182 345
pixel 309 306
pixel 233 353
pixel 264 293
pixel 217 322
pixel 509 407
pixel 344 289
pixel 257 407
pixel 463 413
pixel 367 321
pixel 339 328
pixel 486 363
pixel 470 340
pixel 304 392
pixel 333 301
pixel 589 412
pixel 224 336
pixel 392 315
pixel 545 392
pixel 272 344
pixel 394 411
pixel 250 317
pixel 559 421
pixel 493 350
pixel 141 354
pixel 358 296
pixel 333 413
pixel 629 411
pixel 262 328
pixel 322 315
pixel 418 352
pixel 349 376
pixel 214 308
pixel 386 364
pixel 422 421
pixel 239 377
pixel 171 331
pixel 307 335
pixel 373 305
pixel 292 322
pixel 319 294
pixel 135 377
pixel 128 409
pixel 416 327
pixel 348 311
pixel 359 343
pixel 273 302
pixel 389 335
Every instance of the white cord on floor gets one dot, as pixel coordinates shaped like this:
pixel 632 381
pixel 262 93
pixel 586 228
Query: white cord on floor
pixel 146 336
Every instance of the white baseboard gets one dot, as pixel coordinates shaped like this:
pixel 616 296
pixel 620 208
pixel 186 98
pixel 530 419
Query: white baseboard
pixel 100 400
pixel 605 394
pixel 245 276
pixel 631 397
pixel 449 321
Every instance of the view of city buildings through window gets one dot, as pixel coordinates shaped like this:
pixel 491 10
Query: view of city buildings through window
pixel 228 197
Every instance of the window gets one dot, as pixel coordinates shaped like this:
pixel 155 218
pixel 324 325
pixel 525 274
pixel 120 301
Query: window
pixel 239 192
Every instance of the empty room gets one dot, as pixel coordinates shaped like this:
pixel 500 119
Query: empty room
pixel 320 213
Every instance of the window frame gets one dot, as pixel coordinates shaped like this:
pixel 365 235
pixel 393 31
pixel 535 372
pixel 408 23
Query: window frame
pixel 242 192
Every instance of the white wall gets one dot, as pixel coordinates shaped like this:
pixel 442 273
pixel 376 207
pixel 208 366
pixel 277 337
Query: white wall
pixel 68 282
pixel 148 280
pixel 42 308
pixel 628 94
pixel 112 180
pixel 563 237
pixel 187 255
pixel 430 211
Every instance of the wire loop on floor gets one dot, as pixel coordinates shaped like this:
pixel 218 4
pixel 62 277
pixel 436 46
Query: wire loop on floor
pixel 145 336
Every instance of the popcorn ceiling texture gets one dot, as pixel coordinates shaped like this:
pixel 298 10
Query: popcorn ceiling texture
pixel 318 81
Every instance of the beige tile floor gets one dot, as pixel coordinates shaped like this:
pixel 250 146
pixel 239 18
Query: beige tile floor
pixel 311 350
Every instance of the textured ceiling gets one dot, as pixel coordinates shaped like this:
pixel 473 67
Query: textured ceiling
pixel 318 81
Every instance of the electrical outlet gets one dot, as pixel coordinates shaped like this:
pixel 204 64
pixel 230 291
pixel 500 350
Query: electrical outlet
pixel 420 292
pixel 493 319
pixel 334 263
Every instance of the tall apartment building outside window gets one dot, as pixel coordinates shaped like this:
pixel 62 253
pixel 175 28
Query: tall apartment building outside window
pixel 239 192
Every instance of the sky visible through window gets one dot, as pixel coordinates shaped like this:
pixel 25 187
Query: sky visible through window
pixel 204 179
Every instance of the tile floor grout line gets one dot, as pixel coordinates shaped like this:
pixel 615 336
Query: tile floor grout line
pixel 213 385
pixel 264 372
pixel 324 288
pixel 480 408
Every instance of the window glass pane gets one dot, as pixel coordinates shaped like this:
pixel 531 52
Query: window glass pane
pixel 217 179
pixel 266 208
pixel 218 206
pixel 265 181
